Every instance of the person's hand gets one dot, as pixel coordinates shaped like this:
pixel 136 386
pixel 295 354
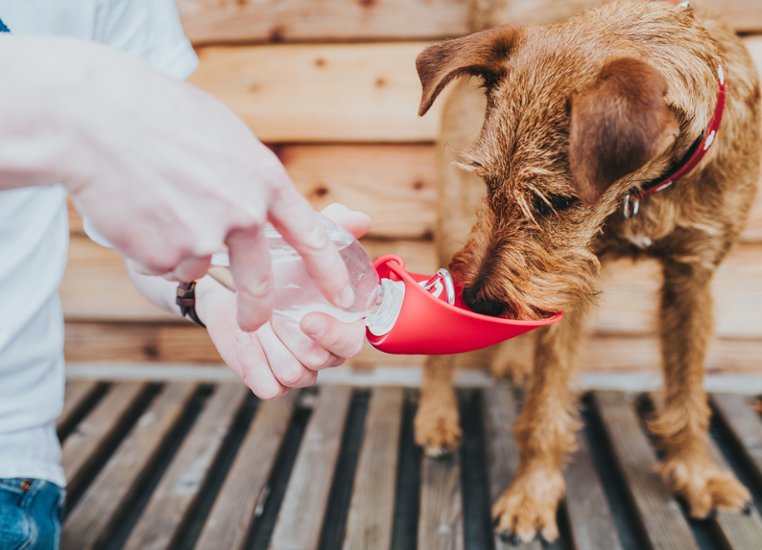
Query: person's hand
pixel 169 176
pixel 281 355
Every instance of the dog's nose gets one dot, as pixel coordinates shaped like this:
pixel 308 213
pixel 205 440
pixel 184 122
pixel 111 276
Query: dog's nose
pixel 482 305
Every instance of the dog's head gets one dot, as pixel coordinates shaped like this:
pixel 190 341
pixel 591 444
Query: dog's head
pixel 567 130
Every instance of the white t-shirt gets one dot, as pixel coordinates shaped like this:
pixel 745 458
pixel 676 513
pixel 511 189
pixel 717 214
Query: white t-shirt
pixel 34 232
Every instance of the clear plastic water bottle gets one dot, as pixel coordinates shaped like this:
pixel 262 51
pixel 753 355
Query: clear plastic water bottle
pixel 295 292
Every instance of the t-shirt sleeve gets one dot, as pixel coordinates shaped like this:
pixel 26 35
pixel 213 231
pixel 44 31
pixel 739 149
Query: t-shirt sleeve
pixel 148 29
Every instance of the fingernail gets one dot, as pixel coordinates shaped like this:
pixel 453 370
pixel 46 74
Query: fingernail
pixel 313 327
pixel 347 297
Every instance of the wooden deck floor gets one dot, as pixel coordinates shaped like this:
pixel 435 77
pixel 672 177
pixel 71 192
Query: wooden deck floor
pixel 183 464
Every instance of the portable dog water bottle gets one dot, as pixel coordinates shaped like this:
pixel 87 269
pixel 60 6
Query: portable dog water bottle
pixel 405 313
pixel 430 317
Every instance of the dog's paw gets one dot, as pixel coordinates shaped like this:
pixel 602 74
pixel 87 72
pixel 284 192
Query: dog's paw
pixel 528 506
pixel 704 486
pixel 516 371
pixel 437 428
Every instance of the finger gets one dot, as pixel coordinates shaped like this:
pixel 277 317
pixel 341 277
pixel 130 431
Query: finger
pixel 140 269
pixel 252 272
pixel 308 352
pixel 190 269
pixel 355 222
pixel 255 371
pixel 286 368
pixel 341 339
pixel 301 227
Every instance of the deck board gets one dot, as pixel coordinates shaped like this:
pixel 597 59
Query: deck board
pixel 168 509
pixel 78 393
pixel 664 523
pixel 245 487
pixel 589 515
pixel 499 413
pixel 371 510
pixel 308 490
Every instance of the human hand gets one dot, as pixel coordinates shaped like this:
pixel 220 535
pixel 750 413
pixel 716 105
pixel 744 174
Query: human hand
pixel 281 355
pixel 169 176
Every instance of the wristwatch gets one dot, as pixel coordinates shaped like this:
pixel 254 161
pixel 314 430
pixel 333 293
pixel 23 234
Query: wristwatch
pixel 186 301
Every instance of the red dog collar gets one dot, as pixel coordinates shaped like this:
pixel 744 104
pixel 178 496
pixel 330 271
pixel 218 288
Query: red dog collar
pixel 694 155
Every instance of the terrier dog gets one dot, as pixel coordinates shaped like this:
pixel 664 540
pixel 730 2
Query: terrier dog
pixel 582 120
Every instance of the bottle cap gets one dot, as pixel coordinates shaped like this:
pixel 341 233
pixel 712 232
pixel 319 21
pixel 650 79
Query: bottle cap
pixel 429 324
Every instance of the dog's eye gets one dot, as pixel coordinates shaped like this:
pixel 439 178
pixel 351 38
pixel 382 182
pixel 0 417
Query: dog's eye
pixel 554 203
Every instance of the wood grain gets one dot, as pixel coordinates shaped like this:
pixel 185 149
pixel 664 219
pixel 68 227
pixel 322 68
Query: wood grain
pixel 660 515
pixel 332 20
pixel 77 394
pixel 744 425
pixel 245 487
pixel 321 92
pixel 440 520
pixel 328 92
pixel 87 444
pixel 223 21
pixel 590 519
pixel 502 454
pixel 97 513
pixel 167 512
pixel 371 509
pixel 310 483
pixel 171 343
pixel 96 287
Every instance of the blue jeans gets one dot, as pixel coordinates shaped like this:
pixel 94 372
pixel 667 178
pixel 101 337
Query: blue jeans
pixel 30 514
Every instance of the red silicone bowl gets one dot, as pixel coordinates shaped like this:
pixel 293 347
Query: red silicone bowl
pixel 431 326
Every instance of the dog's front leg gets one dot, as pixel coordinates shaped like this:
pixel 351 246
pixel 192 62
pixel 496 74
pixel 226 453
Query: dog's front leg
pixel 683 420
pixel 437 424
pixel 545 433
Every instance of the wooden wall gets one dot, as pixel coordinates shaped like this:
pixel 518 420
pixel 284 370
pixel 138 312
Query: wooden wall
pixel 331 86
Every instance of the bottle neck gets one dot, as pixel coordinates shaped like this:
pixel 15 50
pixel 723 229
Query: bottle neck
pixel 387 308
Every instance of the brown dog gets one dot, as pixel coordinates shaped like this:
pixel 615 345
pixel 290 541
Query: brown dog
pixel 577 116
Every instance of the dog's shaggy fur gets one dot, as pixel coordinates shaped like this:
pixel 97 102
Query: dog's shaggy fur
pixel 578 114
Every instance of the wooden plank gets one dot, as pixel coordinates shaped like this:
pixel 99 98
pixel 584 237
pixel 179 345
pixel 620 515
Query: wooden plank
pixel 96 287
pixel 660 515
pixel 78 392
pixel 371 510
pixel 321 92
pixel 108 342
pixel 590 520
pixel 304 20
pixel 327 92
pixel 208 21
pixel 440 523
pixel 99 510
pixel 499 414
pixel 167 512
pixel 734 529
pixel 393 184
pixel 245 487
pixel 300 518
pixel 744 426
pixel 86 444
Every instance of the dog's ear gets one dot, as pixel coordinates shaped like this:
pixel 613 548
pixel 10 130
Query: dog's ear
pixel 478 54
pixel 618 124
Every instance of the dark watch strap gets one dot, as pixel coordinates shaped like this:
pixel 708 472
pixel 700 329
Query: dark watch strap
pixel 186 301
